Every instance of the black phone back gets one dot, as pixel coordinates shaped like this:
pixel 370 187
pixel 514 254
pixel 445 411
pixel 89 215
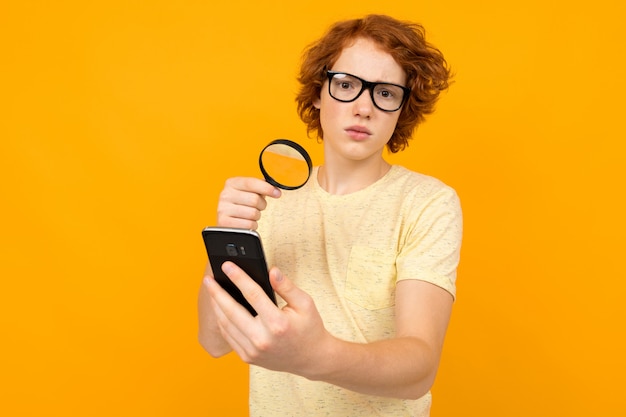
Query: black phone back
pixel 242 247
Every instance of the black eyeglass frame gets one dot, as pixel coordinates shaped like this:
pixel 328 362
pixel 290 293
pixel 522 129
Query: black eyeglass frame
pixel 367 85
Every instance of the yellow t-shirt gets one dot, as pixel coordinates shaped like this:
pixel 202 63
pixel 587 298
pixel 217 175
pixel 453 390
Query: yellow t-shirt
pixel 348 252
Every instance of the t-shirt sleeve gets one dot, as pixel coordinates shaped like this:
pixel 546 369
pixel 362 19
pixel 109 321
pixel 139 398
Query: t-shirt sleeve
pixel 430 250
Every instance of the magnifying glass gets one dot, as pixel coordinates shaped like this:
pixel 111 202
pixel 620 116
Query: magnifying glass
pixel 285 164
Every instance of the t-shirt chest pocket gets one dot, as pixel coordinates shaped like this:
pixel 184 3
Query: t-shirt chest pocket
pixel 371 278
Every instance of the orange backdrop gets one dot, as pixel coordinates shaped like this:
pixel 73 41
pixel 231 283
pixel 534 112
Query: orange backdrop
pixel 120 121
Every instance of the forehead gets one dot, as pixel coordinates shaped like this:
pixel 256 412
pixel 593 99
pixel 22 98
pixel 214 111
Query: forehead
pixel 366 59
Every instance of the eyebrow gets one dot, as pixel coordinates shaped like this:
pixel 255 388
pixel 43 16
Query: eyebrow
pixel 365 79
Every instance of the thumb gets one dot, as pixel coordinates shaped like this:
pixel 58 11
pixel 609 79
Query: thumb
pixel 286 288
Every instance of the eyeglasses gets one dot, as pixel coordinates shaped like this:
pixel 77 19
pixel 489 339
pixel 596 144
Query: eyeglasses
pixel 346 87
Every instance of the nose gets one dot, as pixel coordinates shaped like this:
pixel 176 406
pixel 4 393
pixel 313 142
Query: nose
pixel 363 105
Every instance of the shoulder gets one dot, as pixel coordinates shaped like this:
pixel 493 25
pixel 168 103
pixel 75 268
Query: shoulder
pixel 417 186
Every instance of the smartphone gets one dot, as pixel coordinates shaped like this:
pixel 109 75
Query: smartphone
pixel 242 247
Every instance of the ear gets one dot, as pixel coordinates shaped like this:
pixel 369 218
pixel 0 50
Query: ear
pixel 317 103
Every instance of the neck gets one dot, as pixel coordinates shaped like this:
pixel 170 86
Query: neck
pixel 348 178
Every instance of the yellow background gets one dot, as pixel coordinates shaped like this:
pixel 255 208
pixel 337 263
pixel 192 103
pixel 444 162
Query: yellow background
pixel 120 121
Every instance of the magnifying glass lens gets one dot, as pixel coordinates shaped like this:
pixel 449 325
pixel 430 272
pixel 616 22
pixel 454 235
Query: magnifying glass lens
pixel 285 164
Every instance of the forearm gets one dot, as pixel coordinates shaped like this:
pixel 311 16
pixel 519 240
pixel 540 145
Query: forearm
pixel 209 334
pixel 400 368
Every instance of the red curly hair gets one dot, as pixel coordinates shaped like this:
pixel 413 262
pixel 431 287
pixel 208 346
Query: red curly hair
pixel 426 69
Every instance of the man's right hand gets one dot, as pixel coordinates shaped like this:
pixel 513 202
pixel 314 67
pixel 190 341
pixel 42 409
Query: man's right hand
pixel 242 200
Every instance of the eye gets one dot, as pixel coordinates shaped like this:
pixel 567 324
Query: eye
pixel 388 92
pixel 344 85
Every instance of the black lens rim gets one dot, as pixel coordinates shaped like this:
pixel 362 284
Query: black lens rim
pixel 367 85
pixel 300 150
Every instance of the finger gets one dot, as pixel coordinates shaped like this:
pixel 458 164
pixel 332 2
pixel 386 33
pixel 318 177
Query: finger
pixel 234 197
pixel 251 291
pixel 253 185
pixel 237 326
pixel 237 223
pixel 235 338
pixel 224 302
pixel 231 215
pixel 242 200
pixel 293 296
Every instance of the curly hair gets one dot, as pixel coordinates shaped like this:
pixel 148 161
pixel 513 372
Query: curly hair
pixel 426 69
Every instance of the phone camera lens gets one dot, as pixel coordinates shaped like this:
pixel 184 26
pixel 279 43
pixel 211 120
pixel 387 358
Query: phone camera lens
pixel 231 249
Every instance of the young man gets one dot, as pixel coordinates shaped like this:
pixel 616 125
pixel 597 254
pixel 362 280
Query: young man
pixel 364 256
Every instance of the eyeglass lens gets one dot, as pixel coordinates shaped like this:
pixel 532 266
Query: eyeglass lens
pixel 346 87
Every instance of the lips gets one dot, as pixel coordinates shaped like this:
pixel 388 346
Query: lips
pixel 358 132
